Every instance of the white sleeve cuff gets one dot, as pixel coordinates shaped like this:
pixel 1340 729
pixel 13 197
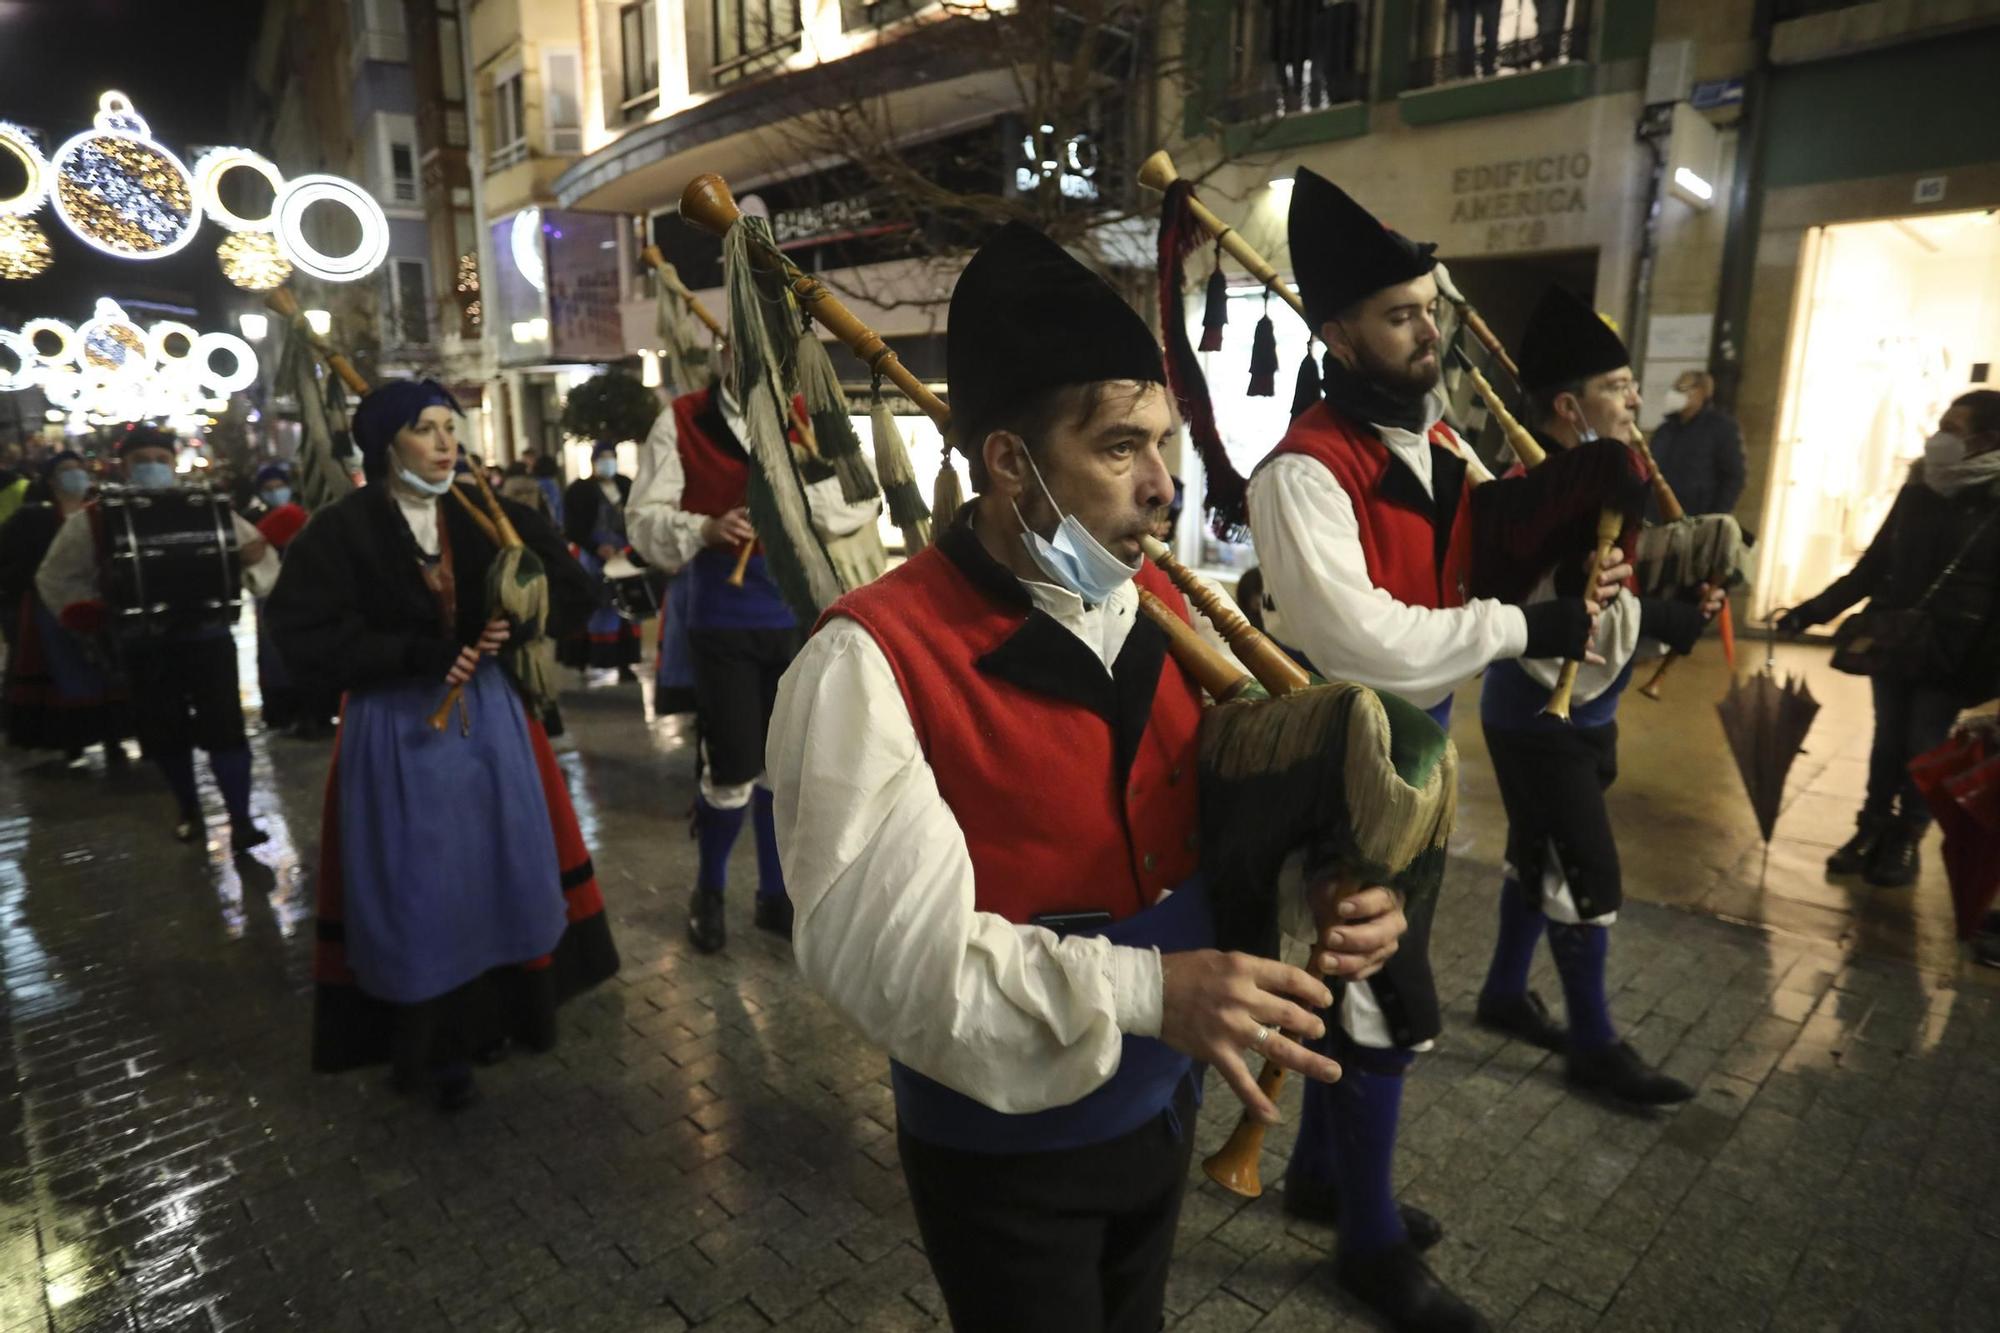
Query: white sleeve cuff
pixel 1138 989
pixel 1514 640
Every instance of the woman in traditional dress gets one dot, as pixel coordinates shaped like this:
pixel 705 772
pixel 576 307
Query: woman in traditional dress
pixel 594 521
pixel 457 902
pixel 57 697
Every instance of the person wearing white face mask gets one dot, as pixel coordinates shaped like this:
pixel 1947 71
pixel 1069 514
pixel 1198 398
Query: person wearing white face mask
pixel 593 520
pixel 184 684
pixel 1699 448
pixel 56 696
pixel 456 899
pixel 1932 579
pixel 985 778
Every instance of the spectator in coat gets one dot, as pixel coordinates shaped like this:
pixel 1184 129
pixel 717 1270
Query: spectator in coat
pixel 1699 448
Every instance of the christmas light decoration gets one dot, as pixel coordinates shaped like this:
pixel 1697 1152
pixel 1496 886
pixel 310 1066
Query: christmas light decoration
pixel 241 375
pixel 24 250
pixel 64 335
pixel 121 192
pixel 209 170
pixel 301 193
pixel 111 344
pixel 14 141
pixel 156 341
pixel 109 370
pixel 23 374
pixel 251 260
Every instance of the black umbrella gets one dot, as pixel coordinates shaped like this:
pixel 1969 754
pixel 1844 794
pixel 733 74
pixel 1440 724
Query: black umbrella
pixel 1766 721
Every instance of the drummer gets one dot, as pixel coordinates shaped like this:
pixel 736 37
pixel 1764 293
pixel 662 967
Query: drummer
pixel 183 683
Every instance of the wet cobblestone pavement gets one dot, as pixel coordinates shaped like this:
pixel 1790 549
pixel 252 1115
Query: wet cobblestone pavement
pixel 710 1148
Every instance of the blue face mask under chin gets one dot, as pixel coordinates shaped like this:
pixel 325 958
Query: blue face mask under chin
pixel 1073 559
pixel 417 483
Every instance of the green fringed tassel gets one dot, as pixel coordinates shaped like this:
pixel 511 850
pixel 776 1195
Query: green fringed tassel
pixel 833 429
pixel 899 480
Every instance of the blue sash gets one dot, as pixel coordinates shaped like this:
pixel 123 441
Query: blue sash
pixel 1149 1074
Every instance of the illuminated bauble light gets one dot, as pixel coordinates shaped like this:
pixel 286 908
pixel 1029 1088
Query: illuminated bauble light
pixel 156 341
pixel 120 191
pixel 251 260
pixel 64 335
pixel 24 250
pixel 25 371
pixel 524 241
pixel 300 194
pixel 212 166
pixel 243 370
pixel 14 142
pixel 110 344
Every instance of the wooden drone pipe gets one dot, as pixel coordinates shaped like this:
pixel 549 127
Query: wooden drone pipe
pixel 285 305
pixel 672 278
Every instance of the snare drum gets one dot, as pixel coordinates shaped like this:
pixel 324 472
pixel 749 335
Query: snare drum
pixel 171 562
pixel 630 588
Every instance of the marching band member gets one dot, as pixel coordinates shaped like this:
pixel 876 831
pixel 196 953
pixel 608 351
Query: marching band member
pixel 1562 856
pixel 183 683
pixel 594 523
pixel 689 510
pixel 457 902
pixel 1362 523
pixel 984 766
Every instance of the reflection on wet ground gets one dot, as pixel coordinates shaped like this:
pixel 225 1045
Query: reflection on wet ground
pixel 709 1146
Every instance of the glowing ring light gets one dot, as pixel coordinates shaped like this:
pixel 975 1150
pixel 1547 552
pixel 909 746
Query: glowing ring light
pixel 121 192
pixel 64 332
pixel 15 141
pixel 242 374
pixel 156 341
pixel 301 193
pixel 63 387
pixel 23 375
pixel 524 242
pixel 209 170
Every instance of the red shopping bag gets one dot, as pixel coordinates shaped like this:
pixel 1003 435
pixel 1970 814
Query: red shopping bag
pixel 1960 780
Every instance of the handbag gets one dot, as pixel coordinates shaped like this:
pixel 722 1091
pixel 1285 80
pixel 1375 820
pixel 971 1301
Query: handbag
pixel 1900 641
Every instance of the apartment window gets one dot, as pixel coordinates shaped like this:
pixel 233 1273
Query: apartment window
pixel 752 36
pixel 510 125
pixel 563 89
pixel 1292 56
pixel 451 58
pixel 409 302
pixel 402 173
pixel 1467 39
pixel 639 58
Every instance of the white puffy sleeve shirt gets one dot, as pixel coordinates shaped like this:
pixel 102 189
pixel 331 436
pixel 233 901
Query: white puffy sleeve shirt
pixel 881 884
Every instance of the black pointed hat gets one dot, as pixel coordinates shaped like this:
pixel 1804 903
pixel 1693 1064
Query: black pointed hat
pixel 1567 341
pixel 1027 317
pixel 1341 252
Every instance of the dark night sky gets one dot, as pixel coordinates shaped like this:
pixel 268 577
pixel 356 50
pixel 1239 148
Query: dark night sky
pixel 182 62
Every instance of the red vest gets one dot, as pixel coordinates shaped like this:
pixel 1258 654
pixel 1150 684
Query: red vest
pixel 718 479
pixel 1398 542
pixel 1032 778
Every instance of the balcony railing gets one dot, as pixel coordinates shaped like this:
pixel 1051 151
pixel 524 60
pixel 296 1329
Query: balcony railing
pixel 506 155
pixel 1295 56
pixel 1487 39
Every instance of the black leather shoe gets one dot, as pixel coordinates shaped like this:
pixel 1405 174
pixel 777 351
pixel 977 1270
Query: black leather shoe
pixel 1524 1018
pixel 242 837
pixel 774 914
pixel 1851 857
pixel 705 928
pixel 1319 1201
pixel 1893 864
pixel 1617 1071
pixel 1400 1289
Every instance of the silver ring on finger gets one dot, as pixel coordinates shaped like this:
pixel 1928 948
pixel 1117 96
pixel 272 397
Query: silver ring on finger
pixel 1263 1035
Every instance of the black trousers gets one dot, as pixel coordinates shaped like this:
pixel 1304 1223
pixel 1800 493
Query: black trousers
pixel 1073 1241
pixel 736 674
pixel 1552 781
pixel 185 694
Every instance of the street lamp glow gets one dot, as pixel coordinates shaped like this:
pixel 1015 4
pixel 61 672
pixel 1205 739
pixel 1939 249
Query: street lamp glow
pixel 1693 184
pixel 254 325
pixel 320 322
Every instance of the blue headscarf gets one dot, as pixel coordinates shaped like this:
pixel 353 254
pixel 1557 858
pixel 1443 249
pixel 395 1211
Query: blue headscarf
pixel 602 448
pixel 56 460
pixel 391 407
pixel 273 471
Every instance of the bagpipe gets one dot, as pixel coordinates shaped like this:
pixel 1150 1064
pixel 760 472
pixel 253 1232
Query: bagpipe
pixel 1363 784
pixel 1582 502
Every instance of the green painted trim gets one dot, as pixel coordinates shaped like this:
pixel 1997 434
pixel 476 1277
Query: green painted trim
pixel 1348 121
pixel 1492 97
pixel 1393 70
pixel 1207 54
pixel 1627 33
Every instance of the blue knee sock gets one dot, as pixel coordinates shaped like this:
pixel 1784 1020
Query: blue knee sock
pixel 1313 1150
pixel 715 831
pixel 1580 952
pixel 177 767
pixel 770 874
pixel 1367 1103
pixel 232 775
pixel 1514 952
